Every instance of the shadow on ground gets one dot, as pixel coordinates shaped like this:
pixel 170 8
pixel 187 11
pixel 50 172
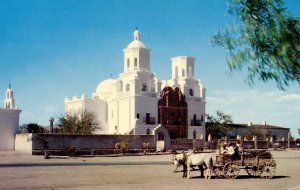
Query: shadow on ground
pixel 242 177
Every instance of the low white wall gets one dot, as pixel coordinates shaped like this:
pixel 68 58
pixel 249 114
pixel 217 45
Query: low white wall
pixel 9 126
pixel 200 132
pixel 23 142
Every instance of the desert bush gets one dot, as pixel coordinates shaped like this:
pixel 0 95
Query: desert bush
pixel 70 150
pixel 122 147
pixel 146 148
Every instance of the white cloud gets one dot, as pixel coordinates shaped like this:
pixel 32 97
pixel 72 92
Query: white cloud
pixel 289 97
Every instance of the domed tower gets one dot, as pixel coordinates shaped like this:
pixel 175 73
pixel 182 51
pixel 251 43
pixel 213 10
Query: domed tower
pixel 136 55
pixel 9 102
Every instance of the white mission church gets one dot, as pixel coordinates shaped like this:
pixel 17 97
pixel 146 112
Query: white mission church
pixel 138 102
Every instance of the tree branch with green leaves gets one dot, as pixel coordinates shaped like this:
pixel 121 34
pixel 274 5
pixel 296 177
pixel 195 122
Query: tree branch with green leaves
pixel 265 38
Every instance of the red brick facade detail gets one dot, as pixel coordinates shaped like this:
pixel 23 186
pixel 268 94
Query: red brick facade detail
pixel 172 112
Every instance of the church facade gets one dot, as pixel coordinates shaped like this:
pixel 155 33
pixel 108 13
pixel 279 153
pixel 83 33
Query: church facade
pixel 137 102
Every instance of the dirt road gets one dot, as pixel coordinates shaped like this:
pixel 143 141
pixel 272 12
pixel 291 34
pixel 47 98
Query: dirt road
pixel 116 173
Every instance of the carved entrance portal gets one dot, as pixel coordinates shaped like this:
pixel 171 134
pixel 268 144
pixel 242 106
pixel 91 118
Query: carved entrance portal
pixel 172 112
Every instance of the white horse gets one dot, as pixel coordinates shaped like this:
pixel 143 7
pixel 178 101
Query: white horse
pixel 178 160
pixel 200 160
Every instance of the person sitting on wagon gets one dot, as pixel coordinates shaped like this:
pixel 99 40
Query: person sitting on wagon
pixel 231 149
pixel 228 149
pixel 223 149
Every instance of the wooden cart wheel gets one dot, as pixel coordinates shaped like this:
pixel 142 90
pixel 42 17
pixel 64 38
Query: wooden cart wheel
pixel 218 170
pixel 231 171
pixel 266 169
pixel 252 171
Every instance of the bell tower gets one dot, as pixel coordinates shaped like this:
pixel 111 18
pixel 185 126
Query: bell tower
pixel 183 67
pixel 136 55
pixel 9 102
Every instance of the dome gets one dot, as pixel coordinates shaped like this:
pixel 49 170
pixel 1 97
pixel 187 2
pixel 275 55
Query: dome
pixel 105 88
pixel 136 44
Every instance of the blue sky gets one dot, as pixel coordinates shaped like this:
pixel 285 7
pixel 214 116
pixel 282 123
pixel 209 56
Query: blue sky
pixel 58 48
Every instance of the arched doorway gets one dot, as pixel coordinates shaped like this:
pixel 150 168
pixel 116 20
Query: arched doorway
pixel 160 143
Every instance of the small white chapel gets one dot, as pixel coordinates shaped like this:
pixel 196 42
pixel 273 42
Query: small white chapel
pixel 9 121
pixel 137 102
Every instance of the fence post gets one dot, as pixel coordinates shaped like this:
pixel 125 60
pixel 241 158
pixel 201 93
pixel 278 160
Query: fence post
pixel 283 143
pixel 255 142
pixel 201 136
pixel 209 140
pixel 271 141
pixel 242 141
pixel 289 139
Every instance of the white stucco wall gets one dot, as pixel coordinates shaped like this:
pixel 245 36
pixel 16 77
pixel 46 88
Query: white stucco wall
pixel 99 108
pixel 200 132
pixel 124 116
pixel 9 126
pixel 196 107
pixel 23 142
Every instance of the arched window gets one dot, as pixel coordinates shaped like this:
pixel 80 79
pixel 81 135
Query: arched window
pixel 148 131
pixel 191 92
pixel 202 119
pixel 144 88
pixel 135 63
pixel 128 63
pixel 128 87
pixel 183 73
pixel 194 134
pixel 190 71
pixel 176 72
pixel 116 128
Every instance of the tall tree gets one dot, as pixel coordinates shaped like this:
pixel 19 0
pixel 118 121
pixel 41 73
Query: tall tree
pixel 218 125
pixel 265 38
pixel 85 123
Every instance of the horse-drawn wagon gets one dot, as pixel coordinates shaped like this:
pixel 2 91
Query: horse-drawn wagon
pixel 255 162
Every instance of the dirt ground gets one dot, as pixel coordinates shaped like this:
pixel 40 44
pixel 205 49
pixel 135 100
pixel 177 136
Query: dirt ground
pixel 24 171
